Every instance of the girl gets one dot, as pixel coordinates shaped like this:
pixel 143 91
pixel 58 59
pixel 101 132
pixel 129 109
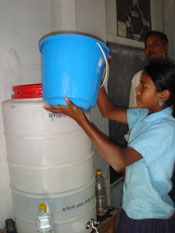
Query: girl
pixel 150 155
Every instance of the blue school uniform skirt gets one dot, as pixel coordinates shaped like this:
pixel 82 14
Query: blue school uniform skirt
pixel 128 225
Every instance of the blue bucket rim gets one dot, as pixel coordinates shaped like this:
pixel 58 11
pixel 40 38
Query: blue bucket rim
pixel 45 39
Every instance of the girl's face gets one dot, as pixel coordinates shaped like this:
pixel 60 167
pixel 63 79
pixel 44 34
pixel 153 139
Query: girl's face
pixel 147 95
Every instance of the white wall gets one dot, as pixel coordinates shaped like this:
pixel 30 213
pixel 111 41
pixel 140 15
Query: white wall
pixel 22 23
pixel 63 15
pixel 90 17
pixel 79 15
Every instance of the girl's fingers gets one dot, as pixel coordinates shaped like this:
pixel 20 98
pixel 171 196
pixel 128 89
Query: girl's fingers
pixel 55 109
pixel 67 100
pixel 70 104
pixel 70 109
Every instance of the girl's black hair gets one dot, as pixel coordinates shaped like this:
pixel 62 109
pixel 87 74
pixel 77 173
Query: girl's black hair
pixel 162 74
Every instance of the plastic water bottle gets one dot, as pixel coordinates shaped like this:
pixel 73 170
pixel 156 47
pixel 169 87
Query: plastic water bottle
pixel 43 220
pixel 101 197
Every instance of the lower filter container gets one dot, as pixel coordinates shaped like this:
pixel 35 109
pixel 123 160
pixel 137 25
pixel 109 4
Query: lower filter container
pixel 50 161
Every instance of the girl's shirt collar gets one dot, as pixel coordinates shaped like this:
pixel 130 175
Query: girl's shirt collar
pixel 163 113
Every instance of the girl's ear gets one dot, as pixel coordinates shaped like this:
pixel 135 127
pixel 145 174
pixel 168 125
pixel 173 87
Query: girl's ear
pixel 164 95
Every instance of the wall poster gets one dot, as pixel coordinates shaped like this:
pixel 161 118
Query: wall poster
pixel 133 19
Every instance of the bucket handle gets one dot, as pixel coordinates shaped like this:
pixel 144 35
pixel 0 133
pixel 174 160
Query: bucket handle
pixel 107 66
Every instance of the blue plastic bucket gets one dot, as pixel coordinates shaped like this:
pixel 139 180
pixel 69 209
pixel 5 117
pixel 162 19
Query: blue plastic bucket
pixel 73 67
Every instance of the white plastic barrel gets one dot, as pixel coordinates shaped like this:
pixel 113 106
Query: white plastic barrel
pixel 50 161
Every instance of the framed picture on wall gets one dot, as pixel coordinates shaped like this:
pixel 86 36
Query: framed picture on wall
pixel 133 19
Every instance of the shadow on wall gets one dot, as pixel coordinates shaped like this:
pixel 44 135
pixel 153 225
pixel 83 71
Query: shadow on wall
pixel 116 193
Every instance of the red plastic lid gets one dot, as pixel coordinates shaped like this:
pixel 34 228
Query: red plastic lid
pixel 29 91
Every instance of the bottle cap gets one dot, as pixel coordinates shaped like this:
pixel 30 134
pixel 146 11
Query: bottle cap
pixel 42 207
pixel 98 172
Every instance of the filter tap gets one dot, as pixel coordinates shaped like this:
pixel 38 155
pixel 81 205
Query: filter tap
pixel 93 225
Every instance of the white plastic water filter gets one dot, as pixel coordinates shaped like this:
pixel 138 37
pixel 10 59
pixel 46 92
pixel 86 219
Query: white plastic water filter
pixel 50 161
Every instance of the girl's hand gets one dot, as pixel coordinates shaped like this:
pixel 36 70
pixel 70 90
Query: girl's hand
pixel 71 110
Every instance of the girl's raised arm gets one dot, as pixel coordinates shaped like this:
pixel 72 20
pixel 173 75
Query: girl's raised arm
pixel 108 110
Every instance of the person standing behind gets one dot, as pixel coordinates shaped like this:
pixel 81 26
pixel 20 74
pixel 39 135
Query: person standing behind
pixel 156 48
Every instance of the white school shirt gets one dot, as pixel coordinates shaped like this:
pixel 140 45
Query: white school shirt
pixel 134 85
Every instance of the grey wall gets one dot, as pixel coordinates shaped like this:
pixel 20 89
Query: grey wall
pixel 126 61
